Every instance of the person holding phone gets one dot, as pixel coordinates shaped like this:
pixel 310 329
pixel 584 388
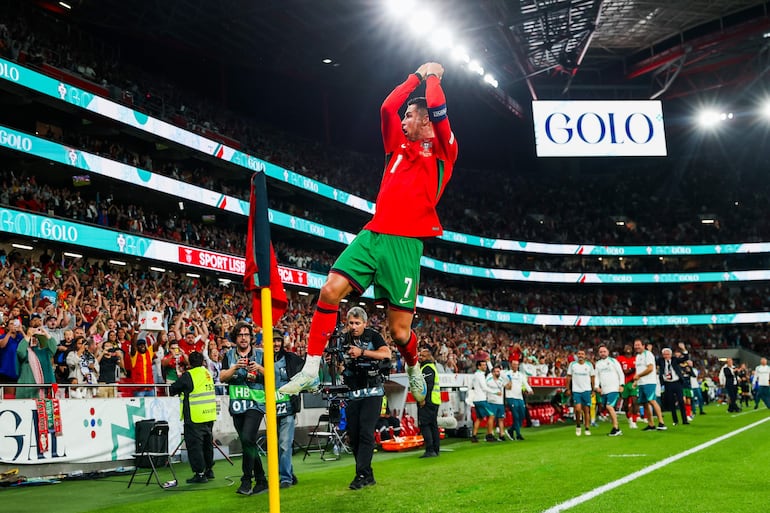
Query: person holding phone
pixel 245 376
pixel 35 360
pixel 9 342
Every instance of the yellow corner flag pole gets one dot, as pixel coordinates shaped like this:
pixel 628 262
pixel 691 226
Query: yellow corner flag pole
pixel 271 425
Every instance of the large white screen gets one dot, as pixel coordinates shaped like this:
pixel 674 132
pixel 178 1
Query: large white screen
pixel 599 128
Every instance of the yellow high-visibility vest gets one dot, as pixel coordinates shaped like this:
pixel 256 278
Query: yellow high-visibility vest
pixel 203 401
pixel 435 396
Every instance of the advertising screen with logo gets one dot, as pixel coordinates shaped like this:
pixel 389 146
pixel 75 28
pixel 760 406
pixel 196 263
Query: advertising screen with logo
pixel 599 128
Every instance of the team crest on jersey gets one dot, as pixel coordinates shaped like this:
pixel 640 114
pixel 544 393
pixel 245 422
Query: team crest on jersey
pixel 426 149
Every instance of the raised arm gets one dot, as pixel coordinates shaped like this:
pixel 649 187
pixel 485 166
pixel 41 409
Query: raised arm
pixel 392 135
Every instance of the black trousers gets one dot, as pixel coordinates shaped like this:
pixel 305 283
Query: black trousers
pixel 427 419
pixel 732 398
pixel 672 393
pixel 200 445
pixel 362 415
pixel 247 426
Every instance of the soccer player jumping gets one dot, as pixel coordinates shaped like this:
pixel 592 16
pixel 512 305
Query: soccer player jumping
pixel 420 152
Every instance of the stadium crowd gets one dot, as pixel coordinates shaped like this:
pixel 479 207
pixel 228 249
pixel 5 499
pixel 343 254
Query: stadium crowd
pixel 92 311
pixel 115 208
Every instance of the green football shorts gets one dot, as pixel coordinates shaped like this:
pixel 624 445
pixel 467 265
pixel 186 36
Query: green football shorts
pixel 629 390
pixel 390 263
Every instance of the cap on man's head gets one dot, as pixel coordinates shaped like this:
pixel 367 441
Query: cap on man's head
pixel 141 341
pixel 277 335
pixel 35 316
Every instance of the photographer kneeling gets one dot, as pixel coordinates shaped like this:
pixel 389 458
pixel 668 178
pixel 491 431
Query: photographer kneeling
pixel 367 364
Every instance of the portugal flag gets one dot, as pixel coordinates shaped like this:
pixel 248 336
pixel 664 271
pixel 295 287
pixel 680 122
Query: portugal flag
pixel 261 265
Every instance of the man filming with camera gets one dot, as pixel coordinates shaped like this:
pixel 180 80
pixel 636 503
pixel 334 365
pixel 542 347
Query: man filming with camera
pixel 366 366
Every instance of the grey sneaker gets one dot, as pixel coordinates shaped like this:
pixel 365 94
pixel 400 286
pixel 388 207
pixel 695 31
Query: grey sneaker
pixel 417 384
pixel 301 382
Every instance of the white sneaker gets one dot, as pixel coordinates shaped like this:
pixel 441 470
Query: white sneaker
pixel 417 384
pixel 631 424
pixel 588 432
pixel 578 431
pixel 301 382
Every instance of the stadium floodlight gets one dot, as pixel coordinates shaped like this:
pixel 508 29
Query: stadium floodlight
pixel 65 5
pixel 225 281
pixel 303 293
pixel 708 118
pixel 192 275
pixel 489 79
pixel 707 221
pixel 459 53
pixel 343 300
pixel 72 255
pixel 441 39
pixel 766 109
pixel 422 22
pixel 117 262
pixel 327 61
pixel 158 269
pixel 22 246
pixel 381 307
pixel 476 67
pixel 400 7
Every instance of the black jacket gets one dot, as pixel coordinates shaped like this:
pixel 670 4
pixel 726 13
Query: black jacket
pixel 293 365
pixel 676 365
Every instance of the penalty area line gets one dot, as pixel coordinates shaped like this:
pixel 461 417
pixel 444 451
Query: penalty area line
pixel 646 470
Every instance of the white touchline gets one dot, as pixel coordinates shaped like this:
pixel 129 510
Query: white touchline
pixel 643 472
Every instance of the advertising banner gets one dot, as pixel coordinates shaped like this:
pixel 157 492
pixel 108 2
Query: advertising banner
pixel 599 128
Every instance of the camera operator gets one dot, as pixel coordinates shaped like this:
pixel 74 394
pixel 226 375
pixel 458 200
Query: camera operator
pixel 242 369
pixel 287 364
pixel 367 363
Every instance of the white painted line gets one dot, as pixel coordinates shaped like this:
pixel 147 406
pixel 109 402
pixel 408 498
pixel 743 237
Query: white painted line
pixel 743 413
pixel 580 499
pixel 626 455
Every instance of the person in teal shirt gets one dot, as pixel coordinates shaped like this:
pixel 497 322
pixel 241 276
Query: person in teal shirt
pixel 35 358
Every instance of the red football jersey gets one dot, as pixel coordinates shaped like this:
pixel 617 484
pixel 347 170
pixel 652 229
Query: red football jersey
pixel 416 172
pixel 628 364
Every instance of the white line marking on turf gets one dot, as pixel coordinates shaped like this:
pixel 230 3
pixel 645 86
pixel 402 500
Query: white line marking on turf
pixel 743 413
pixel 643 472
pixel 626 455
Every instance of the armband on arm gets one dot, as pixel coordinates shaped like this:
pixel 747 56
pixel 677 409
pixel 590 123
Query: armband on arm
pixel 436 114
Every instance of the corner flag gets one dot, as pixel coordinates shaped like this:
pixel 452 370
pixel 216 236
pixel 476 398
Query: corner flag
pixel 261 264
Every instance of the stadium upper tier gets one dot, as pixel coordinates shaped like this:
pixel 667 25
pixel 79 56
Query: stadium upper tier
pixel 32 145
pixel 543 213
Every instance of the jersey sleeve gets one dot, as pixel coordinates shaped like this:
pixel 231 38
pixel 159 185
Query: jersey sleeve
pixel 437 110
pixel 392 135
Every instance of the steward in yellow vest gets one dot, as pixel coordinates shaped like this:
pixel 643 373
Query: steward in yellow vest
pixel 427 412
pixel 199 411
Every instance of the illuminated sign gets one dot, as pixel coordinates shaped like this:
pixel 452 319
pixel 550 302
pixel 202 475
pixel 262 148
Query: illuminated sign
pixel 599 128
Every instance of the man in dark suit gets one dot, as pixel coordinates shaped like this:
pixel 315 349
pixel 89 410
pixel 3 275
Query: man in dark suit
pixel 672 379
pixel 729 382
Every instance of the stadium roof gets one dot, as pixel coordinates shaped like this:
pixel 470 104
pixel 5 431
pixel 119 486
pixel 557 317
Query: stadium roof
pixel 541 49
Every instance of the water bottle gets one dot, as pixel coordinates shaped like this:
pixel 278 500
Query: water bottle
pixel 336 450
